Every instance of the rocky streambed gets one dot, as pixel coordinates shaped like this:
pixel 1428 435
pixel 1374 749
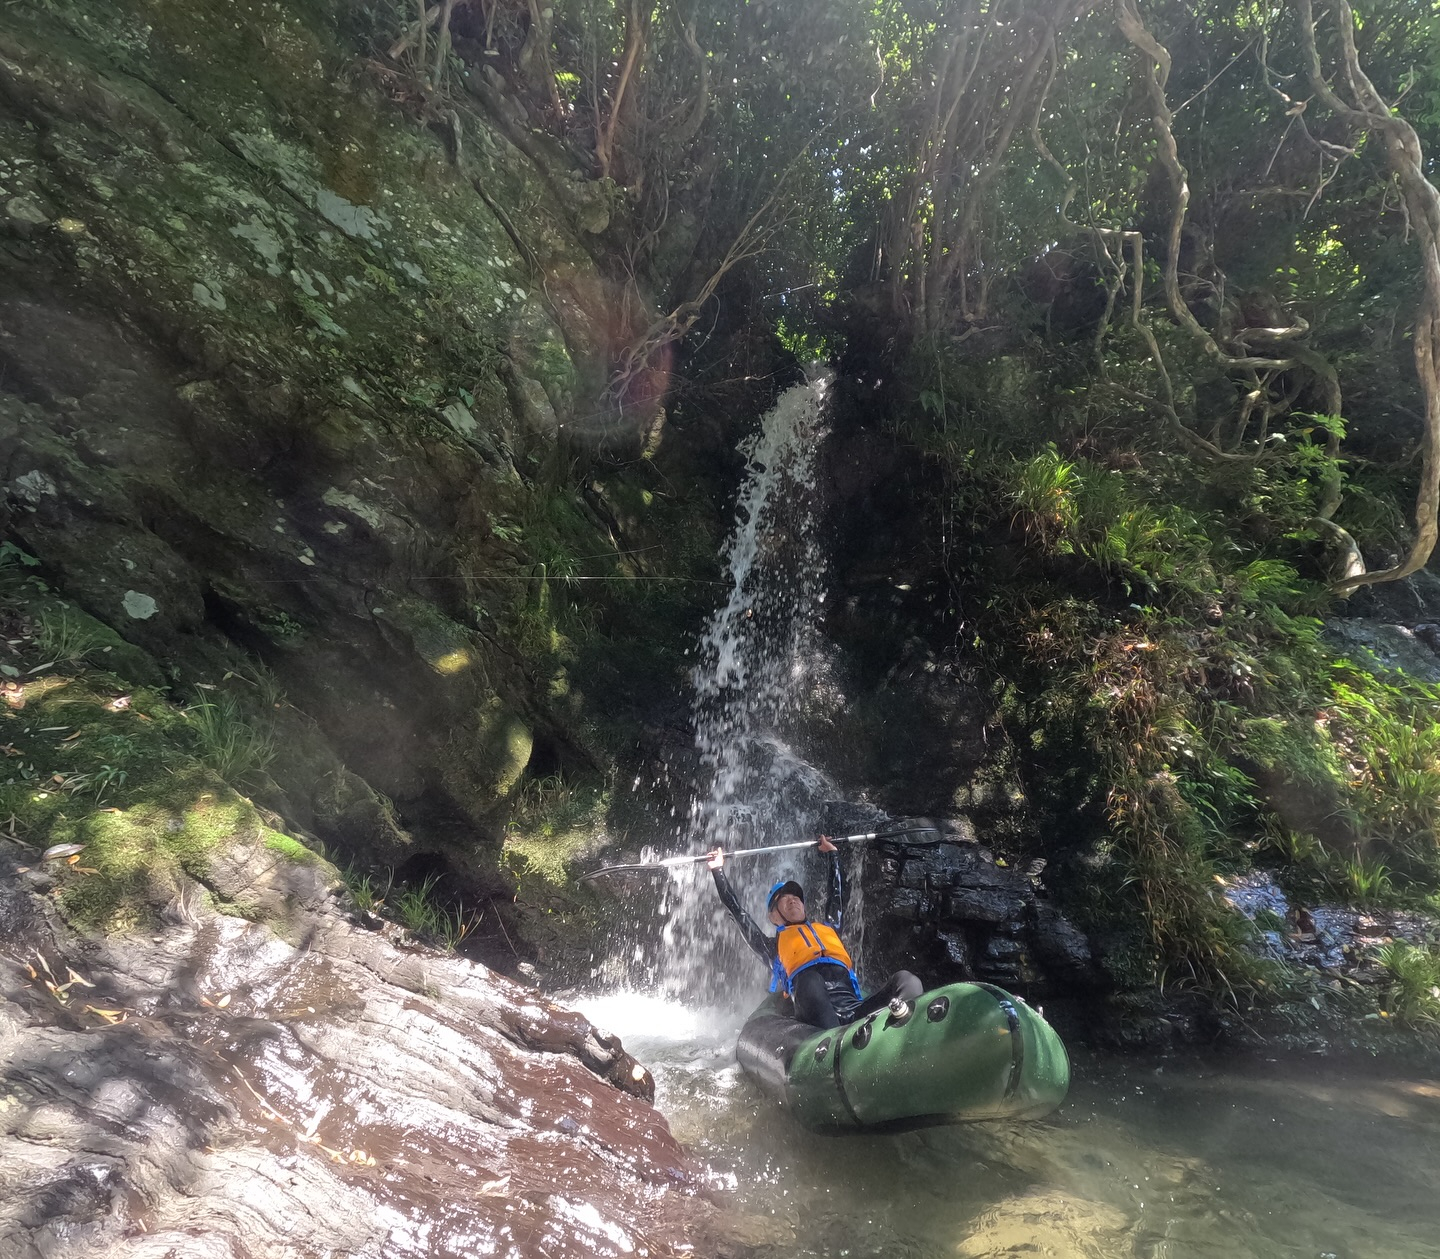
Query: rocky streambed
pixel 221 1087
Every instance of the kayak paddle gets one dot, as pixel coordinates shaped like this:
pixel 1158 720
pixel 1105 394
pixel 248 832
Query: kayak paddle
pixel 671 863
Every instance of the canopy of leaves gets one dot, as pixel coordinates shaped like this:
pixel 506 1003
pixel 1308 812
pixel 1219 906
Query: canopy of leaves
pixel 1155 284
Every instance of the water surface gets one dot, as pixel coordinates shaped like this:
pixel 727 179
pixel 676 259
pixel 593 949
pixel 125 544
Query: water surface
pixel 1173 1158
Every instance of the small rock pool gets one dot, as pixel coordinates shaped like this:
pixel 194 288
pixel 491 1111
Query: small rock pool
pixel 1182 1157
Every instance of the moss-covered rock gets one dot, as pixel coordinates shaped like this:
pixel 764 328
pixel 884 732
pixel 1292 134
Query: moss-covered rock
pixel 288 405
pixel 490 754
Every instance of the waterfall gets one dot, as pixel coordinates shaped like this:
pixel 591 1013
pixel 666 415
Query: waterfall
pixel 759 657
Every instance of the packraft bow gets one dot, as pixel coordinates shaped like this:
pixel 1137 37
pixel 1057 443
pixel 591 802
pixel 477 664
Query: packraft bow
pixel 960 1053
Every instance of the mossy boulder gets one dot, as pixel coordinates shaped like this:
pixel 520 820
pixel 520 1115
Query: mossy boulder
pixel 136 855
pixel 487 756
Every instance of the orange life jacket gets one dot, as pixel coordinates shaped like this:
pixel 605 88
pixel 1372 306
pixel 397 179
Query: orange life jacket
pixel 806 944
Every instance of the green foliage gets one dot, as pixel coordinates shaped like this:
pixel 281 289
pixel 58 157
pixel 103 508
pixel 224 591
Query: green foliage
pixel 96 784
pixel 456 926
pixel 1386 731
pixel 1364 882
pixel 1176 700
pixel 1158 633
pixel 1074 507
pixel 1220 675
pixel 1045 489
pixel 1269 920
pixel 227 740
pixel 1372 516
pixel 806 344
pixel 1413 993
pixel 63 637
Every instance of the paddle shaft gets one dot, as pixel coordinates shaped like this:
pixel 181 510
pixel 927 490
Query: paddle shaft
pixel 670 863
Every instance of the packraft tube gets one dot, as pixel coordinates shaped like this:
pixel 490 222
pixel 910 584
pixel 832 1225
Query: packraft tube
pixel 963 1052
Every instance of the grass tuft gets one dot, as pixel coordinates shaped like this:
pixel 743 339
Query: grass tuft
pixel 64 638
pixel 226 741
pixel 417 908
pixel 365 890
pixel 1414 988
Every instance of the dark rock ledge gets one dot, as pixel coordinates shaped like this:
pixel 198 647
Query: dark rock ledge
pixel 301 1086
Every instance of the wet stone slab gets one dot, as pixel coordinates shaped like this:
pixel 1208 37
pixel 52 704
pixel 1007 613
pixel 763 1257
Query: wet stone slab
pixel 211 1090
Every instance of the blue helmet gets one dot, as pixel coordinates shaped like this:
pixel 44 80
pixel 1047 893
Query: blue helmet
pixel 781 888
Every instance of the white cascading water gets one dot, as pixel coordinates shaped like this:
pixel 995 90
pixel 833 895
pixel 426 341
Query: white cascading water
pixel 678 1000
pixel 757 658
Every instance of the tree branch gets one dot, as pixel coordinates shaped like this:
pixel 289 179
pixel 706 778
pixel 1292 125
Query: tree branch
pixel 691 126
pixel 1157 73
pixel 748 243
pixel 636 35
pixel 1368 111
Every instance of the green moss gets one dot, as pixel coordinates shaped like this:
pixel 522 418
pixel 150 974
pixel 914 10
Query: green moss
pixel 485 756
pixel 291 849
pixel 555 823
pixel 132 857
pixel 550 857
pixel 506 743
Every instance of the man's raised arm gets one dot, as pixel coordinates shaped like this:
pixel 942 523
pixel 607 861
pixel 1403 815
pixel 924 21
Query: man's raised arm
pixel 761 943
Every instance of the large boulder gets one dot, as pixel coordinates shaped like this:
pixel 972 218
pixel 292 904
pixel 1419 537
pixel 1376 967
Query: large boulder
pixel 224 1087
pixel 951 910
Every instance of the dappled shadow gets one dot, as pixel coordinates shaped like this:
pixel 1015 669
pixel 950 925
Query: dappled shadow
pixel 344 1095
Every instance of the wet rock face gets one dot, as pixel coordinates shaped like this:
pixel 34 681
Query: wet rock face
pixel 277 385
pixel 951 912
pixel 211 1090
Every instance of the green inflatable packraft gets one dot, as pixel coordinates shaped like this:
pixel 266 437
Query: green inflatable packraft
pixel 960 1053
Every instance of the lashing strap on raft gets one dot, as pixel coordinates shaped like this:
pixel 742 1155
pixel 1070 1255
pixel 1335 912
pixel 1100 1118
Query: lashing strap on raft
pixel 1017 1041
pixel 840 1079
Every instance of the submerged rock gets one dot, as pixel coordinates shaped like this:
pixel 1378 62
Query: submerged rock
pixel 213 1089
pixel 1047 1223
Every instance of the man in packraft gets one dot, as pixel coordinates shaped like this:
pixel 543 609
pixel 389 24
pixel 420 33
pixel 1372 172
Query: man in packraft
pixel 808 961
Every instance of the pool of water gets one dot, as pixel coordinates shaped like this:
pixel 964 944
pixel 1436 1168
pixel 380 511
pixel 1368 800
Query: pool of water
pixel 1173 1158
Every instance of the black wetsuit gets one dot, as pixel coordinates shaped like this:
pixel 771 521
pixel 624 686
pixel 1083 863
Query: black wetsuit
pixel 822 994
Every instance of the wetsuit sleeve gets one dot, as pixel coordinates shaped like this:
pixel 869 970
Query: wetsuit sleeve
pixel 763 944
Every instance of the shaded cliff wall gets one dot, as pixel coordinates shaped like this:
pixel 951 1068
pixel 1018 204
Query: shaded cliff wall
pixel 297 396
